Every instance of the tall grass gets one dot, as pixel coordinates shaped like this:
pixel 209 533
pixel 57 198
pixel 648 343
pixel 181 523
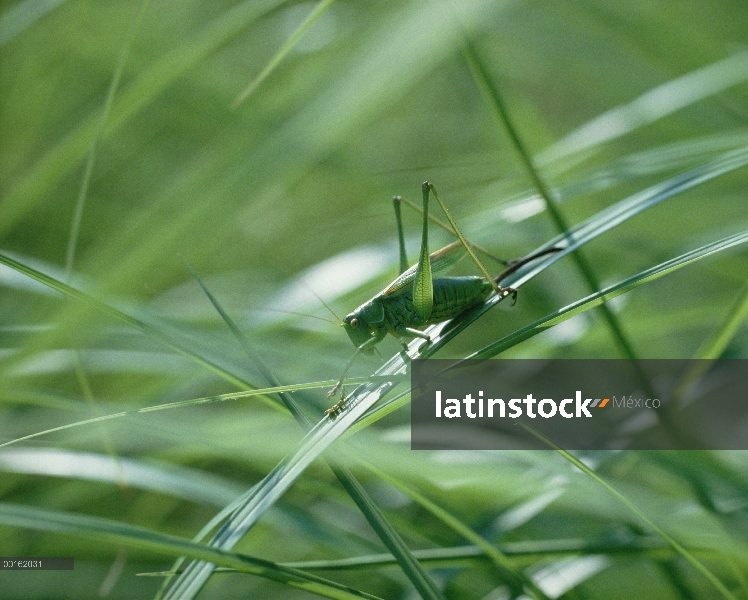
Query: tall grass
pixel 168 422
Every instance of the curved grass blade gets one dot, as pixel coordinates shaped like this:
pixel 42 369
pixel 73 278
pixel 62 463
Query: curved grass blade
pixel 149 330
pixel 185 403
pixel 493 97
pixel 685 553
pixel 386 532
pixel 320 9
pixel 609 293
pixel 512 575
pixel 595 226
pixel 453 556
pixel 529 548
pixel 275 484
pixel 88 171
pixel 651 106
pixel 713 347
pixel 105 530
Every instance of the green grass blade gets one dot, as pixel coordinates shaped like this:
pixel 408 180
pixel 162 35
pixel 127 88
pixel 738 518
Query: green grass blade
pixel 283 394
pixel 113 532
pixel 142 326
pixel 603 222
pixel 186 403
pixel 713 347
pixel 609 293
pixel 391 539
pixel 651 106
pixel 494 99
pixel 455 555
pixel 318 11
pixel 532 548
pixel 275 484
pixel 512 575
pixel 412 569
pixel 88 171
pixel 685 553
pixel 736 316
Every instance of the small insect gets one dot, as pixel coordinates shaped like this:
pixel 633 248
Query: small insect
pixel 416 299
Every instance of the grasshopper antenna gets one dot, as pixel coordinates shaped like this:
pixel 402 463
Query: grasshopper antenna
pixel 299 314
pixel 327 306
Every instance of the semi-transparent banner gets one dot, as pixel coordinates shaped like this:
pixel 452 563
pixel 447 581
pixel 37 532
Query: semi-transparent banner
pixel 579 404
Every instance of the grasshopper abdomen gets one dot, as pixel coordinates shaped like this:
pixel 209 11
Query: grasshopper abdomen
pixel 452 296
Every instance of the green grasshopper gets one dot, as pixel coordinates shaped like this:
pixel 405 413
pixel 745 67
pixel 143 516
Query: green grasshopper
pixel 415 299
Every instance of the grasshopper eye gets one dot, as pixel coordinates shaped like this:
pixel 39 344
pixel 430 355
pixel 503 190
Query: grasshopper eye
pixel 354 323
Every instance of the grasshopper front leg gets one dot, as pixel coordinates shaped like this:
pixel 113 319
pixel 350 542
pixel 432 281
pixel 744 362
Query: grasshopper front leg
pixel 367 345
pixel 333 410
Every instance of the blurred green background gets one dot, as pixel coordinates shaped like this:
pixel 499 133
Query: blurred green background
pixel 286 194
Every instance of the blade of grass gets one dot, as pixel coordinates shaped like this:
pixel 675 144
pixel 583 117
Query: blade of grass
pixel 650 107
pixel 409 564
pixel 149 330
pixel 88 171
pixel 713 347
pixel 495 101
pixel 318 11
pixel 452 556
pixel 274 485
pixel 598 224
pixel 391 539
pixel 113 532
pixel 685 553
pixel 628 284
pixel 185 403
pixel 513 576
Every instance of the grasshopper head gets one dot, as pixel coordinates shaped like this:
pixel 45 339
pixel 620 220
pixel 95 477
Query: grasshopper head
pixel 358 330
pixel 365 323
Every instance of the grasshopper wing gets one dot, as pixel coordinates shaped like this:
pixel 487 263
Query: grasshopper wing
pixel 441 261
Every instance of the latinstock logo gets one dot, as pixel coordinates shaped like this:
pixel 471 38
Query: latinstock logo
pixel 546 408
pixel 478 405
